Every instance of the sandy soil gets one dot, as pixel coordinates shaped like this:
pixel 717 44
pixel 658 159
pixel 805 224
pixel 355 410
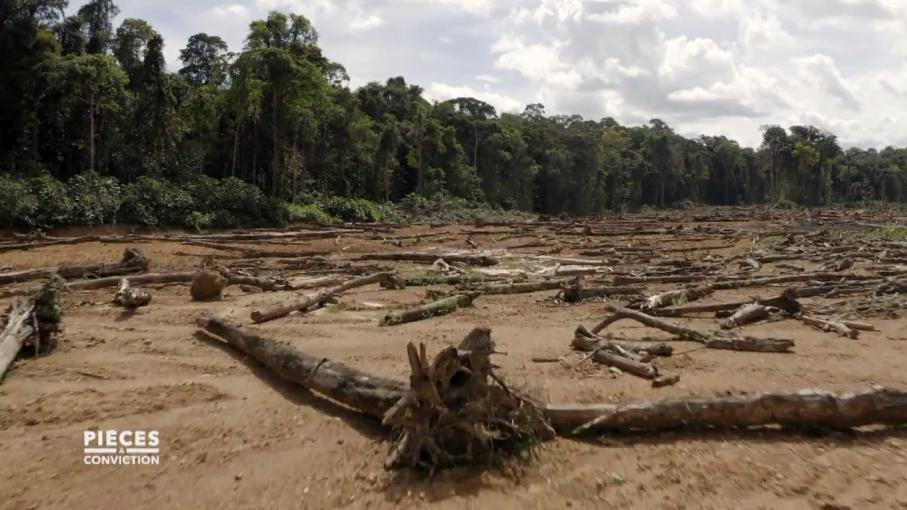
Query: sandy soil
pixel 232 436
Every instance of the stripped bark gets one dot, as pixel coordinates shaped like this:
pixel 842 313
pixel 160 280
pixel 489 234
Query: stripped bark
pixel 276 312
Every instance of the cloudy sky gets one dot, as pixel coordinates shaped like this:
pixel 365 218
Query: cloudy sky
pixel 718 67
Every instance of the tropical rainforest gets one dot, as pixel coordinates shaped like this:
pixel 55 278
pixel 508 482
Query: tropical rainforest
pixel 94 128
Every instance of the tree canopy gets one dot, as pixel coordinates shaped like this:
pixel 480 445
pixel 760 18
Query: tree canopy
pixel 81 96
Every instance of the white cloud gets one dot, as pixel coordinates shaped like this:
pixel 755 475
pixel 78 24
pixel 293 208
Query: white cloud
pixel 366 23
pixel 502 102
pixel 821 72
pixel 704 66
pixel 231 10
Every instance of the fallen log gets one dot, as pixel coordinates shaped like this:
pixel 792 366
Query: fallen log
pixel 876 406
pixel 276 312
pixel 433 309
pixel 430 258
pixel 389 400
pixel 711 340
pixel 37 317
pixel 786 301
pixel 679 296
pixel 366 393
pixel 828 325
pixel 113 281
pixel 578 292
pixel 130 297
pixel 746 314
pixel 132 262
pixel 587 341
pixel 519 288
pixel 611 354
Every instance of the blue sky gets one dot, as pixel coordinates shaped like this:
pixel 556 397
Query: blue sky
pixel 717 67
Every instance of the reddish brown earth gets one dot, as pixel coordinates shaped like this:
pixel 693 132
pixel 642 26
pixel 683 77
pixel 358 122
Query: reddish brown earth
pixel 232 436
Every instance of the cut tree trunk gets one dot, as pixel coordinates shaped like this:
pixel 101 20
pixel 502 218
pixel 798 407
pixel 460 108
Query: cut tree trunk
pixel 677 296
pixel 130 297
pixel 276 312
pixel 19 326
pixel 746 314
pixel 876 406
pixel 361 391
pixel 426 311
pixel 132 262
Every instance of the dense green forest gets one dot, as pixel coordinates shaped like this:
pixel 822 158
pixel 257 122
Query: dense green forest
pixel 95 129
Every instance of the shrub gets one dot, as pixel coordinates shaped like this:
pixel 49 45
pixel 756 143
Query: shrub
pixel 154 202
pixel 359 210
pixel 785 203
pixel 308 213
pixel 234 203
pixel 54 205
pixel 19 207
pixel 95 199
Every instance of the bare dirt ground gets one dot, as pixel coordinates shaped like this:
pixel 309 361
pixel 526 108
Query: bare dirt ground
pixel 233 436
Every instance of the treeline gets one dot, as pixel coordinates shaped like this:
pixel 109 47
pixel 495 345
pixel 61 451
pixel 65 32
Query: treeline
pixel 82 100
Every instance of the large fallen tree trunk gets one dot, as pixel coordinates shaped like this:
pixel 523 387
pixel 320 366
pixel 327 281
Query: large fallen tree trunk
pixel 316 299
pixel 430 258
pixel 113 281
pixel 42 311
pixel 389 400
pixel 363 392
pixel 809 407
pixel 132 262
pixel 428 310
pixel 455 410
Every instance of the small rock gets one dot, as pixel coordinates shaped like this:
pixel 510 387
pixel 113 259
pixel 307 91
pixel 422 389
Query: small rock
pixel 238 477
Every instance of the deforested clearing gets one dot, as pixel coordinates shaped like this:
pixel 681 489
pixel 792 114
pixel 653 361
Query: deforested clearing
pixel 661 360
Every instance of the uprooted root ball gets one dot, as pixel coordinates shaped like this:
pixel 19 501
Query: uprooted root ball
pixel 458 412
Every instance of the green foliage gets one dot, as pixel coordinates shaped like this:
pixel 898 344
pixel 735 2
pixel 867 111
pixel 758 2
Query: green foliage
pixel 54 204
pixel 892 233
pixel 19 206
pixel 308 213
pixel 95 199
pixel 359 210
pixel 155 202
pixel 233 137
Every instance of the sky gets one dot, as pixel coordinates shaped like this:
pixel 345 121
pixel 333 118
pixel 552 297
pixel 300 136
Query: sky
pixel 714 67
